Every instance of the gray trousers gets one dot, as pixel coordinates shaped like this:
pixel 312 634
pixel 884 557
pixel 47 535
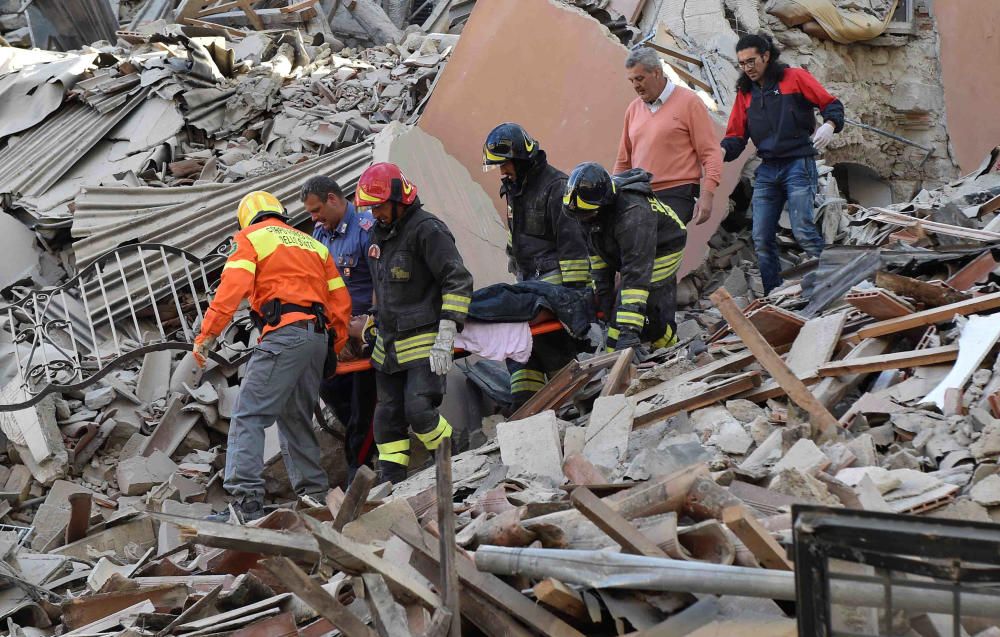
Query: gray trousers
pixel 281 384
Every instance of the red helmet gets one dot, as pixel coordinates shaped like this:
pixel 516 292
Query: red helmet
pixel 383 182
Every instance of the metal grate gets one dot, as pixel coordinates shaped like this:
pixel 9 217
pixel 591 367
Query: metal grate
pixel 864 574
pixel 132 300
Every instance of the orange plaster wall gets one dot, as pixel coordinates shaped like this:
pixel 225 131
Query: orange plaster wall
pixel 555 71
pixel 969 32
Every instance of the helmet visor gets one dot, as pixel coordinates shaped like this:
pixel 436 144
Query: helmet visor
pixel 497 151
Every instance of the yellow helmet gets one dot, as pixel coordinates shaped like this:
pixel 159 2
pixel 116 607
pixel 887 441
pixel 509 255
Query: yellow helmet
pixel 257 203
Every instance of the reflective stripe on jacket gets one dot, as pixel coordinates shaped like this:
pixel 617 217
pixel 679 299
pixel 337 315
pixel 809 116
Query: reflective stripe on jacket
pixel 272 260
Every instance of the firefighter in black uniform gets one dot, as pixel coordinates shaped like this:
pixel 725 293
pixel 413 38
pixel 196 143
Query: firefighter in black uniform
pixel 422 294
pixel 635 235
pixel 543 244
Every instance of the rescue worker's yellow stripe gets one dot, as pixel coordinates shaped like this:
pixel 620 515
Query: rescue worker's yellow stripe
pixel 630 318
pixel 634 296
pixel 241 264
pixel 491 157
pixel 404 344
pixel 397 451
pixel 556 278
pixel 267 239
pixel 455 303
pixel 613 334
pixel 666 265
pixel 335 284
pixel 661 208
pixel 597 263
pixel 432 439
pixel 575 270
pixel 528 374
pixel 364 196
pixel 378 354
pixel 580 203
pixel 669 338
pixel 522 386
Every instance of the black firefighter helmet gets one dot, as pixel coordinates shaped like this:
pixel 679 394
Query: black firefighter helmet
pixel 506 142
pixel 588 188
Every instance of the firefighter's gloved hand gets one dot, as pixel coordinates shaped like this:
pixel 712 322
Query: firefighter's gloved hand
pixel 444 347
pixel 823 136
pixel 627 339
pixel 202 346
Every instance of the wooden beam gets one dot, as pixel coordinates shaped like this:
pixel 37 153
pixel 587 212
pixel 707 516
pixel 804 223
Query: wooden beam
pixel 354 500
pixel 298 546
pixel 485 615
pixel 562 385
pixel 898 360
pixel 614 525
pixel 932 316
pixel 446 529
pixel 755 537
pixel 389 617
pixel 312 593
pixel 617 379
pixel 719 391
pixel 697 81
pixel 770 360
pixel 495 590
pixel 335 545
pixel 731 363
pixel 680 55
pixel 562 598
pixel 929 294
pixel 660 495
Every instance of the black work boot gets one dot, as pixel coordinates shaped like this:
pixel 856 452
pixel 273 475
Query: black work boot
pixel 390 472
pixel 246 510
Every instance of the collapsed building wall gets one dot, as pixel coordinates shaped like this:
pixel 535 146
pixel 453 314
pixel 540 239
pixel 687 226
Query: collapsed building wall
pixel 970 56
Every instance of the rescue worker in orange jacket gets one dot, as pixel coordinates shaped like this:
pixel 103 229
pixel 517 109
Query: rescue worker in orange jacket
pixel 301 305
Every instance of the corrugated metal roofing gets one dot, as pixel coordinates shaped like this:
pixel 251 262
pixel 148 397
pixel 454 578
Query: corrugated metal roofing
pixel 197 219
pixel 40 157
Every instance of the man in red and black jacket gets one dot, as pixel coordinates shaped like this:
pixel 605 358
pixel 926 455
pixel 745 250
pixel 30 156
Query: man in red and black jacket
pixel 774 108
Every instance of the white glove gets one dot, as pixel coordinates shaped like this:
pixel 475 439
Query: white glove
pixel 444 347
pixel 823 136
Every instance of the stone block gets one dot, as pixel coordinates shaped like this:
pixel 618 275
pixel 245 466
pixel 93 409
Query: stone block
pixel 608 430
pixel 804 456
pixel 140 474
pixel 532 444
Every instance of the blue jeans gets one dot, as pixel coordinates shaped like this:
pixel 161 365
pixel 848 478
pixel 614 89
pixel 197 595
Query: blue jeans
pixel 779 181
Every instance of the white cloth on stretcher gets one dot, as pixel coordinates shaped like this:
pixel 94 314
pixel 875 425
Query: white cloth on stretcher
pixel 496 341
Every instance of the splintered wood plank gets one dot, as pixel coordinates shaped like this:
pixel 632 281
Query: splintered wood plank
pixel 719 391
pixel 929 294
pixel 389 616
pixel 563 384
pixel 562 598
pixel 334 545
pixel 250 539
pixel 354 500
pixel 756 538
pixel 617 379
pixel 770 360
pixel 312 593
pixel 930 317
pixel 446 529
pixel 495 590
pixel 898 360
pixel 614 524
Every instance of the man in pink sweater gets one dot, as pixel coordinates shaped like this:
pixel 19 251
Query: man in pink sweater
pixel 669 133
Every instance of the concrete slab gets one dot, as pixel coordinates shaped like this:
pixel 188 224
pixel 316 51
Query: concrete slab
pixel 140 474
pixel 608 430
pixel 532 444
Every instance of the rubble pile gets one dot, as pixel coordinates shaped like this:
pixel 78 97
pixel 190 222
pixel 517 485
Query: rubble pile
pixel 164 109
pixel 642 492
